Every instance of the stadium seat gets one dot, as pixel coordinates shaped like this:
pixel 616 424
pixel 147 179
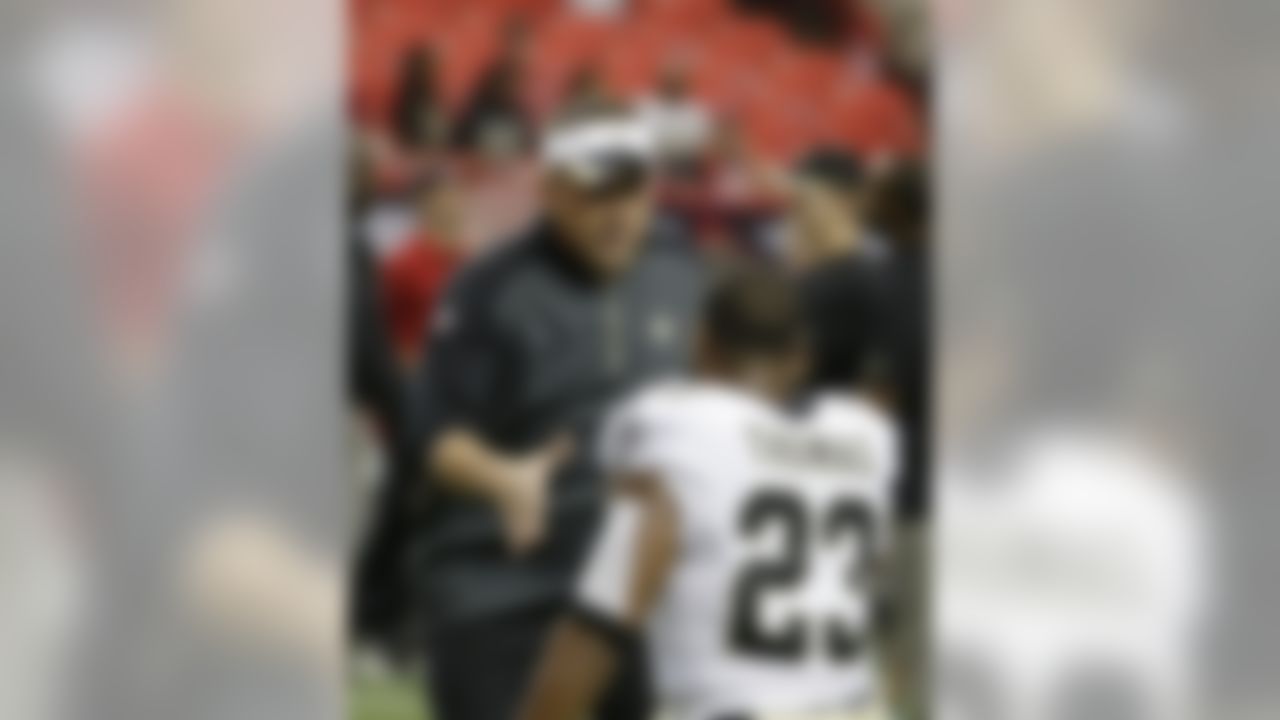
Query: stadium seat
pixel 875 117
pixel 631 65
pixel 743 64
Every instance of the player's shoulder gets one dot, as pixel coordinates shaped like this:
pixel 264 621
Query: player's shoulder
pixel 661 400
pixel 856 416
pixel 649 427
pixel 680 407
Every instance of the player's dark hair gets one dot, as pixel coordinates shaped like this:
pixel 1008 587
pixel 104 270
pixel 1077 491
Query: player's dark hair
pixel 755 311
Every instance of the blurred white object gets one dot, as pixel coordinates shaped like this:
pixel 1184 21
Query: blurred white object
pixel 682 126
pixel 386 226
pixel 85 72
pixel 600 8
pixel 42 591
pixel 1074 574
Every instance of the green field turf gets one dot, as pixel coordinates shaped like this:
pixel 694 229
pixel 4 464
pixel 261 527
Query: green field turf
pixel 384 697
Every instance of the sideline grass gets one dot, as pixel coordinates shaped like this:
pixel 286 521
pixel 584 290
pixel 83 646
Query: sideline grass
pixel 384 696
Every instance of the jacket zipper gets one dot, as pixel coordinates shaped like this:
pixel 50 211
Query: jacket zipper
pixel 614 338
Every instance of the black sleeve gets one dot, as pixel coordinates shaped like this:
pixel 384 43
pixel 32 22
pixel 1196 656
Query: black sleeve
pixel 848 305
pixel 371 377
pixel 471 363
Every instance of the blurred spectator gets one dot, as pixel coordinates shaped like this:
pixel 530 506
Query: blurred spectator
pixel 599 8
pixel 587 93
pixel 679 119
pixel 899 208
pixel 421 121
pixel 415 274
pixel 846 287
pixel 820 22
pixel 371 381
pixel 729 197
pixel 496 122
pixel 907 45
pixel 826 221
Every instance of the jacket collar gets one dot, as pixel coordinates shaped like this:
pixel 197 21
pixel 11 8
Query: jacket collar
pixel 552 246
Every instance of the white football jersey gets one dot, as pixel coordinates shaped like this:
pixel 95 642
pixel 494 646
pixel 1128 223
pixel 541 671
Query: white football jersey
pixel 767 608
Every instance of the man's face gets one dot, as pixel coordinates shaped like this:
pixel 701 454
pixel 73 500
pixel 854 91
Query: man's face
pixel 824 224
pixel 604 230
pixel 440 213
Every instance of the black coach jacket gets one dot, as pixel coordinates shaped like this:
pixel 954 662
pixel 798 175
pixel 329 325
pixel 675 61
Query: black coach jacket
pixel 528 344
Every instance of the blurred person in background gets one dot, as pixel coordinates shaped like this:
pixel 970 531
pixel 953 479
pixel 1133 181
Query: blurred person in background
pixel 380 430
pixel 846 290
pixel 827 219
pixel 421 119
pixel 899 208
pixel 908 44
pixel 531 345
pixel 495 122
pixel 196 188
pixel 587 92
pixel 375 388
pixel 819 22
pixel 414 275
pixel 680 120
pixel 729 196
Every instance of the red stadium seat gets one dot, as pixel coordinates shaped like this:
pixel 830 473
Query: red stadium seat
pixel 631 65
pixel 693 13
pixel 757 39
pixel 876 117
pixel 576 38
pixel 788 96
pixel 465 52
pixel 808 76
pixel 777 127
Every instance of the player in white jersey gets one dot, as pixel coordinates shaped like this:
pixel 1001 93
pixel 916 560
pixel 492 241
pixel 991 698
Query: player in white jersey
pixel 741 535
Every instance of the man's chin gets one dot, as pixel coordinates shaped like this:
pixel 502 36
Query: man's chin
pixel 610 260
pixel 614 263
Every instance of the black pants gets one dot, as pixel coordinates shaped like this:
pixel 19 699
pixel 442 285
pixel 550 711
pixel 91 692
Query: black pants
pixel 481 670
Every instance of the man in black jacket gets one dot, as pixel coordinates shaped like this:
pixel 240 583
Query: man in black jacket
pixel 530 347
